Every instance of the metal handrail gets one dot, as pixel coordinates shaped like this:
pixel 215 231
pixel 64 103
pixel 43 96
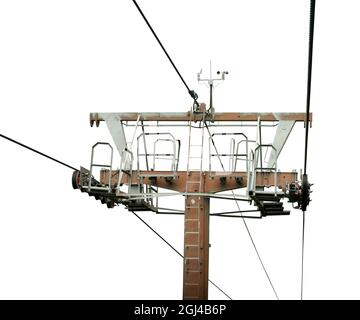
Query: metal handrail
pixel 255 163
pixel 92 164
pixel 232 156
pixel 247 153
pixel 174 155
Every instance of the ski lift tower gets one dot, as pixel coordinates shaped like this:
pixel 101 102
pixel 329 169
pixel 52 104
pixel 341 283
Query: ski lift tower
pixel 138 188
pixel 249 164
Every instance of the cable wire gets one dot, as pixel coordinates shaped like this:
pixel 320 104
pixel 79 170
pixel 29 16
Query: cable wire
pixel 311 42
pixel 191 92
pixel 244 221
pixel 36 151
pixel 302 255
pixel 71 167
pixel 172 247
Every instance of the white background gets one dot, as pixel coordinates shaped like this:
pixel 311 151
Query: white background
pixel 60 60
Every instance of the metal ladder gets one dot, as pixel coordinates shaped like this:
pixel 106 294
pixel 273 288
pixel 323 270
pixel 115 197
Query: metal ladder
pixel 195 145
pixel 193 207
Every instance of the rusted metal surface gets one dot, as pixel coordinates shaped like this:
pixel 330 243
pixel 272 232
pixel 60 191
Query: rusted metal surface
pixel 184 116
pixel 213 182
pixel 196 244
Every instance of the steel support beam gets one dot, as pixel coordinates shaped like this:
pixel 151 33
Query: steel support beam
pixel 282 133
pixel 212 183
pixel 185 116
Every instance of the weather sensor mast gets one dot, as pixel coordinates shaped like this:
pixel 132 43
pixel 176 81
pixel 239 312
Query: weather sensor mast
pixel 210 83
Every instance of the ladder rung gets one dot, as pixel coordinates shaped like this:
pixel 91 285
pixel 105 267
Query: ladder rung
pixel 197 157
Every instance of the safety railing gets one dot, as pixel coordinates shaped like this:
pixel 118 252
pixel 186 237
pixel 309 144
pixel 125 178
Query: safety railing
pixel 108 166
pixel 172 156
pixel 256 162
pixel 233 156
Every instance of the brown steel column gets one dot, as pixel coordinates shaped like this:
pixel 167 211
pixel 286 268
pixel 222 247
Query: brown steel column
pixel 196 247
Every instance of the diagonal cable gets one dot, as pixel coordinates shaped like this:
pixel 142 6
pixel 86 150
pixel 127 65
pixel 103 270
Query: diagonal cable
pixel 243 219
pixel 70 167
pixel 36 151
pixel 173 248
pixel 192 93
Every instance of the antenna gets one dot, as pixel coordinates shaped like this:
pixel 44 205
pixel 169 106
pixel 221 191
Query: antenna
pixel 210 82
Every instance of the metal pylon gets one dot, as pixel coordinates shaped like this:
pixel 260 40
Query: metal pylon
pixel 196 229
